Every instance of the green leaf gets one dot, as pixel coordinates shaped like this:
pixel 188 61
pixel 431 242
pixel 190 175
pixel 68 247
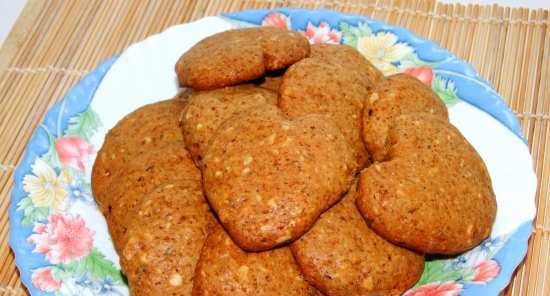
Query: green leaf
pixel 51 156
pixel 446 90
pixel 438 271
pixel 83 125
pixel 24 203
pixel 364 30
pixel 95 266
pixel 352 34
pixel 32 215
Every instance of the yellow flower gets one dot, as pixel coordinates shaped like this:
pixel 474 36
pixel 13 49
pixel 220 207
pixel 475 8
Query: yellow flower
pixel 44 187
pixel 382 49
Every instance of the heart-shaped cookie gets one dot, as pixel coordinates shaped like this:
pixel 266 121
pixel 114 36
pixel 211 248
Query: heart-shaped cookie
pixel 268 178
pixel 225 269
pixel 205 111
pixel 240 55
pixel 434 194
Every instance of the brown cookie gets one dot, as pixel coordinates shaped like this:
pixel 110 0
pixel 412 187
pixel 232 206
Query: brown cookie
pixel 225 269
pixel 434 194
pixel 348 57
pixel 165 239
pixel 269 178
pixel 206 110
pixel 171 163
pixel 239 55
pixel 316 85
pixel 144 129
pixel 341 256
pixel 398 94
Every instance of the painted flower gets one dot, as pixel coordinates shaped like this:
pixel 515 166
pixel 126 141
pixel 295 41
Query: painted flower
pixel 77 191
pixel 436 289
pixel 78 287
pixel 44 280
pixel 44 187
pixel 424 74
pixel 63 239
pixel 486 250
pixel 109 287
pixel 276 19
pixel 322 34
pixel 73 151
pixel 485 271
pixel 382 49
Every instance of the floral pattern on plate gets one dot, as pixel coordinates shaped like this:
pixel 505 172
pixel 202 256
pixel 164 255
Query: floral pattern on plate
pixel 58 180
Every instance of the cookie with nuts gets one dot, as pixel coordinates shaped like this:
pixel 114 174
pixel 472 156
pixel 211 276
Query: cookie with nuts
pixel 434 194
pixel 225 269
pixel 144 129
pixel 239 55
pixel 165 240
pixel 327 84
pixel 341 256
pixel 349 57
pixel 269 177
pixel 207 110
pixel 396 95
pixel 143 174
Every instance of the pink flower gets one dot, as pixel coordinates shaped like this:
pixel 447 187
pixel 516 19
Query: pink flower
pixel 424 74
pixel 43 279
pixel 63 239
pixel 276 19
pixel 436 289
pixel 73 151
pixel 486 270
pixel 322 34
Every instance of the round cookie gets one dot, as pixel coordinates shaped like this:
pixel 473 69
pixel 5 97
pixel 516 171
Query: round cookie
pixel 434 194
pixel 225 269
pixel 314 85
pixel 396 95
pixel 341 256
pixel 239 55
pixel 165 240
pixel 144 129
pixel 171 163
pixel 207 110
pixel 348 57
pixel 269 178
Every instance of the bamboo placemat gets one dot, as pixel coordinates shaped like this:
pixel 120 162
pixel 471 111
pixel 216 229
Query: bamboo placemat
pixel 56 42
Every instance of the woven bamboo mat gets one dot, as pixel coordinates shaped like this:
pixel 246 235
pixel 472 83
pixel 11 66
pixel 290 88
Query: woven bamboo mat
pixel 56 42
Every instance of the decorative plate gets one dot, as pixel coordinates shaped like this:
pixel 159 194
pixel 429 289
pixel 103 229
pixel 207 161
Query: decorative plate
pixel 61 241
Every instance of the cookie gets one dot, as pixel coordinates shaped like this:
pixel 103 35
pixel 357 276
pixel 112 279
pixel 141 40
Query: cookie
pixel 165 240
pixel 144 129
pixel 225 269
pixel 268 178
pixel 434 194
pixel 398 94
pixel 341 256
pixel 239 55
pixel 349 57
pixel 314 85
pixel 171 163
pixel 206 110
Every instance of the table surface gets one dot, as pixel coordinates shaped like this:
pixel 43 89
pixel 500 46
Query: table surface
pixel 50 48
pixel 10 9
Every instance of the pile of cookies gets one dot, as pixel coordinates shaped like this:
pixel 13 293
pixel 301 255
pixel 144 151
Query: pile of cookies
pixel 288 169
